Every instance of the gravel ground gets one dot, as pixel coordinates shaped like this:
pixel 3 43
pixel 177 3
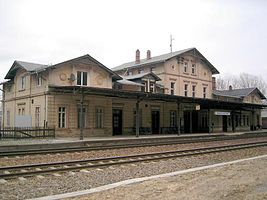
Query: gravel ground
pixel 36 187
pixel 9 161
pixel 246 180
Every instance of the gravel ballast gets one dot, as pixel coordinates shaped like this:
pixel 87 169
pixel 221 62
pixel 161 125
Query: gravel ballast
pixel 67 182
pixel 43 158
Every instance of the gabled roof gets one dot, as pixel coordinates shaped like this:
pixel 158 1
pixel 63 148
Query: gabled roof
pixel 238 93
pixel 114 74
pixel 163 58
pixel 139 76
pixel 127 82
pixel 31 67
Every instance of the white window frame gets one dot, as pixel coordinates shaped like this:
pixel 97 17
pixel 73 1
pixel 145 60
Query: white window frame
pixel 62 117
pixel 83 83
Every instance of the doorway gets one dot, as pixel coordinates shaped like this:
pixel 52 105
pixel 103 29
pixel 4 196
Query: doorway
pixel 117 121
pixel 155 121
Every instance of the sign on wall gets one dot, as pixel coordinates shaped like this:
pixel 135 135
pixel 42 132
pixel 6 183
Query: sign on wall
pixel 222 113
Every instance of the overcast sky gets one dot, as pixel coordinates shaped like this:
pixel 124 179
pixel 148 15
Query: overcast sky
pixel 231 34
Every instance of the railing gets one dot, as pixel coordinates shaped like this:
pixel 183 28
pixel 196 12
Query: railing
pixel 26 132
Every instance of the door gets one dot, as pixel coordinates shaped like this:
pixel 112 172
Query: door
pixel 117 121
pixel 155 121
pixel 186 121
pixel 224 123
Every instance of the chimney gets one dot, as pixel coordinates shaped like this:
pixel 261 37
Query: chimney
pixel 230 87
pixel 137 56
pixel 148 54
pixel 213 83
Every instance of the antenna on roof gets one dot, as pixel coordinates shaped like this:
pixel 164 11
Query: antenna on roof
pixel 171 39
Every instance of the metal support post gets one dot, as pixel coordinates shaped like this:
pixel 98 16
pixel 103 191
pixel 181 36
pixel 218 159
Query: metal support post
pixel 81 115
pixel 137 119
pixel 178 119
pixel 209 121
pixel 191 121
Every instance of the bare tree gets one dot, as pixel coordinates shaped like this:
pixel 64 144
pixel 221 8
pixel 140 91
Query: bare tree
pixel 242 80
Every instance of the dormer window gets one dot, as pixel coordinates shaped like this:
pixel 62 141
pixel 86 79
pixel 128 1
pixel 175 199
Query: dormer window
pixel 152 87
pixel 81 78
pixel 130 73
pixel 140 71
pixel 185 67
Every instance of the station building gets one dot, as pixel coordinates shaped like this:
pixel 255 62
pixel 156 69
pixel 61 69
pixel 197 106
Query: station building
pixel 168 94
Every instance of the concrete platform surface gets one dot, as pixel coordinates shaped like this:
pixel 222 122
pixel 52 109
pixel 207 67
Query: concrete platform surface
pixel 11 142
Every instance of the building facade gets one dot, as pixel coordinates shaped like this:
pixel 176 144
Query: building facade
pixel 171 93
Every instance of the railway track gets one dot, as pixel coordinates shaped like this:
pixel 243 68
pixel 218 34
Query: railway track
pixel 184 140
pixel 10 172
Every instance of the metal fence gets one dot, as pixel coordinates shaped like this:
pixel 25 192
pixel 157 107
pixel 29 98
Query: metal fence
pixel 26 132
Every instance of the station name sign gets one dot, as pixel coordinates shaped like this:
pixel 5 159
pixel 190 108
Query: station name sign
pixel 222 113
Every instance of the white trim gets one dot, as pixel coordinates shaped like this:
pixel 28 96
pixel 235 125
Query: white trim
pixel 137 180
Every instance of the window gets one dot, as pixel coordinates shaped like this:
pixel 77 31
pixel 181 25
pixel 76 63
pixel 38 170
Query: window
pixel 23 111
pixel 204 120
pixel 81 78
pixel 22 82
pixel 39 80
pixel 204 92
pixel 152 87
pixel 79 117
pixel 8 118
pixel 37 116
pixel 130 73
pixel 185 90
pixel 61 117
pixel 140 71
pixel 193 68
pixel 99 118
pixel 193 91
pixel 247 120
pixel 185 67
pixel 172 88
pixel 173 118
pixel 19 111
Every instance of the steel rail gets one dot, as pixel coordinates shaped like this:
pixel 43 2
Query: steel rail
pixel 48 168
pixel 144 144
